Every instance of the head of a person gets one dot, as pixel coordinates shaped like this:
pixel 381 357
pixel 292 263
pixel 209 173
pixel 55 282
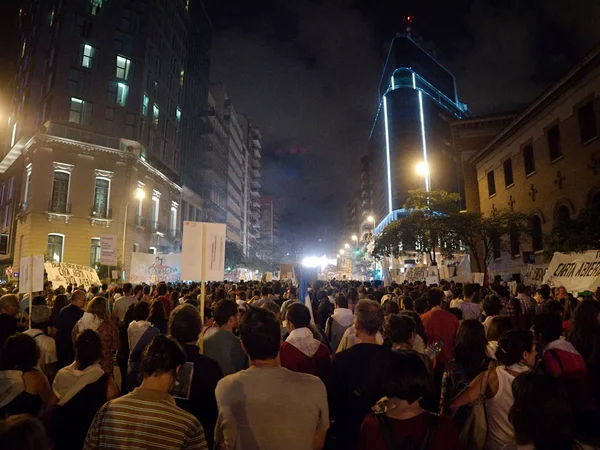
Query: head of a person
pixel 157 313
pixel 352 297
pixel 542 293
pixel 571 303
pixel 298 315
pixel 40 315
pixel 209 317
pixel 407 303
pixel 264 291
pixel 260 334
pixel 341 301
pixel 561 293
pixel 368 317
pixel 88 348
pixel 406 377
pixel 491 305
pixel 163 357
pixel 184 324
pixel 456 312
pixel 38 300
pixel 141 311
pixel 584 325
pixel 421 305
pixel 274 308
pixel 98 307
pixel 541 413
pixel 9 305
pixel 22 432
pixel 127 287
pixel 390 307
pixel 147 290
pixel 501 291
pixel 400 329
pixel 161 289
pixel 60 301
pixel 293 292
pixel 469 346
pixel 552 307
pixel 521 289
pixel 20 352
pixel 547 327
pixel 78 298
pixel 226 313
pixel 469 291
pixel 435 297
pixel 516 347
pixel 499 326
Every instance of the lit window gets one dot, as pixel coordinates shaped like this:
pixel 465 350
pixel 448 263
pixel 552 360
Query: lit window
pixel 178 114
pixel 95 253
pixel 123 67
pixel 155 113
pixel 145 102
pixel 101 197
pixel 95 6
pixel 23 48
pixel 13 136
pixel 80 111
pixel 60 192
pixel 155 209
pixel 55 247
pixel 27 184
pixel 52 17
pixel 87 56
pixel 122 91
pixel 173 226
pixel 181 77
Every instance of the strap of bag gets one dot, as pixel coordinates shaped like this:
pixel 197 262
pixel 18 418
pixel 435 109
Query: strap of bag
pixel 40 334
pixel 431 425
pixel 386 431
pixel 557 359
pixel 484 383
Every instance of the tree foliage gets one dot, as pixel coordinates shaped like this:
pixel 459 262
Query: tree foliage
pixel 575 235
pixel 234 256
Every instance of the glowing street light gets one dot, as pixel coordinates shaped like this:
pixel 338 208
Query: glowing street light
pixel 371 219
pixel 346 245
pixel 342 251
pixel 422 169
pixel 354 237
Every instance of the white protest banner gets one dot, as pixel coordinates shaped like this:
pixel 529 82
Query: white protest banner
pixel 66 273
pixel 534 274
pixel 214 257
pixel 428 274
pixel 191 251
pixel 108 249
pixel 457 269
pixel 575 271
pixel 34 277
pixel 203 239
pixel 150 268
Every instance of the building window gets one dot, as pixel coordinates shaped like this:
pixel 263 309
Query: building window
pixel 537 240
pixel 122 91
pixel 155 209
pixel 95 7
pixel 155 114
pixel 491 183
pixel 13 136
pixel 181 77
pixel 109 118
pixel 130 126
pixel 80 111
pixel 587 122
pixel 562 217
pixel 497 247
pixel 178 114
pixel 508 173
pixel 123 67
pixel 136 247
pixel 528 160
pixel 56 244
pixel 514 243
pixel 27 184
pixel 145 103
pixel 7 217
pixel 173 225
pixel 553 136
pixel 152 250
pixel 79 81
pixel 60 192
pixel 101 197
pixel 4 244
pixel 95 253
pixel 87 56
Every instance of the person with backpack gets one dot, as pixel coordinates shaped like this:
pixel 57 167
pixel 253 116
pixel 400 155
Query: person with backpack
pixel 398 421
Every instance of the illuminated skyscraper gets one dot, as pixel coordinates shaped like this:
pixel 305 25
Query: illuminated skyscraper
pixel 411 130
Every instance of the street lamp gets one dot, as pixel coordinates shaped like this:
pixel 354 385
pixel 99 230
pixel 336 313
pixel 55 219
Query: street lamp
pixel 422 169
pixel 346 245
pixel 371 219
pixel 342 251
pixel 139 194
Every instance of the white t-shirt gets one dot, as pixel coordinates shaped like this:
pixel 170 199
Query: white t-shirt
pixel 47 347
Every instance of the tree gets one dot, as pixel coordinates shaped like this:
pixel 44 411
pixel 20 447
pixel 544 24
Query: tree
pixel 574 235
pixel 234 256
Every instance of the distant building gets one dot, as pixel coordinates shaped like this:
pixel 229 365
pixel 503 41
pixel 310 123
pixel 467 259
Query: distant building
pixel 253 138
pixel 269 220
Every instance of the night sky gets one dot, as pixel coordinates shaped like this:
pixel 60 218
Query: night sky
pixel 306 72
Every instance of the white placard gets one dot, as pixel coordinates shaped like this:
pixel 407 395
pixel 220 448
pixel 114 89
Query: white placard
pixel 66 273
pixel 115 274
pixel 575 271
pixel 192 251
pixel 534 274
pixel 36 278
pixel 108 249
pixel 149 268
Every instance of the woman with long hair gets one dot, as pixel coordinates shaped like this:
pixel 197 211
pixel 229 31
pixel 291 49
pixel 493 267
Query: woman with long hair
pixel 60 301
pixel 97 317
pixel 157 316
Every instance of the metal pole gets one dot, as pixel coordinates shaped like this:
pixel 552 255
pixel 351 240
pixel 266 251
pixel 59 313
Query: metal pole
pixel 124 237
pixel 202 285
pixel 30 288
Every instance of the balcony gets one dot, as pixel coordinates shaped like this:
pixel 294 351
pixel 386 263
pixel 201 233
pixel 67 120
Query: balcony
pixel 100 217
pixel 59 211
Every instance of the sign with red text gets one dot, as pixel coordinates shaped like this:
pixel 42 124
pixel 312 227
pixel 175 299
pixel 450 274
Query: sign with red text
pixel 151 269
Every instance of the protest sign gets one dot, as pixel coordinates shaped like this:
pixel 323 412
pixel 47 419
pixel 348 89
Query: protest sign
pixel 457 269
pixel 428 274
pixel 108 249
pixel 575 271
pixel 63 274
pixel 534 274
pixel 203 251
pixel 32 274
pixel 150 268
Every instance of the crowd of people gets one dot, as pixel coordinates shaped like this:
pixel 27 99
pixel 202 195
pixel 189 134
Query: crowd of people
pixel 356 366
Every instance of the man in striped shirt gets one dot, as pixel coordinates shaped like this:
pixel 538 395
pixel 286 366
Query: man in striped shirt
pixel 148 417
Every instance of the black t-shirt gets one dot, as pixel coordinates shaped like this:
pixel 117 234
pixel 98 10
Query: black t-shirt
pixel 8 327
pixel 67 318
pixel 356 385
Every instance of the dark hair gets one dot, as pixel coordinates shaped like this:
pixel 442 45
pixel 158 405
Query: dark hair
pixel 137 289
pixel 419 328
pixel 224 309
pixel 20 352
pixel 264 291
pixel 127 288
pixel 470 346
pixel 435 297
pixel 491 305
pixel 421 305
pixel 147 290
pixel 544 290
pixel 341 301
pixel 469 289
pixel 141 311
pixel 501 291
pixel 456 312
pixel 369 316
pixel 22 432
pixel 541 412
pixel 88 348
pixel 293 291
pixel 390 307
pixel 512 345
pixel 399 328
pixel 161 289
pixel 406 378
pixel 157 312
pixel 498 326
pixel 60 301
pixel 208 313
pixel 408 303
pixel 162 355
pixel 260 334
pixel 39 300
pixel 552 307
pixel 184 324
pixel 521 289
pixel 299 315
pixel 585 330
pixel 547 326
pixel 324 310
pixel 352 296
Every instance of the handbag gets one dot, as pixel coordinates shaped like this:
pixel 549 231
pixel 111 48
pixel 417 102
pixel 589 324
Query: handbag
pixel 407 444
pixel 474 432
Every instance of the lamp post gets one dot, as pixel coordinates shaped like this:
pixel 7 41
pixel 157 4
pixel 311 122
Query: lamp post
pixel 346 245
pixel 355 239
pixel 422 169
pixel 139 194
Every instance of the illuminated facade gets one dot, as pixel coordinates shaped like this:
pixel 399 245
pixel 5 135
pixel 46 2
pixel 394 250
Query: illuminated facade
pixel 417 99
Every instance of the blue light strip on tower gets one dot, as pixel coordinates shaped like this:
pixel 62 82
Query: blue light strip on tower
pixel 414 80
pixel 387 154
pixel 427 181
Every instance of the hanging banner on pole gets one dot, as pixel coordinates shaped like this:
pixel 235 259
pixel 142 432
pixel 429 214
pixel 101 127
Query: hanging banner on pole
pixel 192 263
pixel 63 274
pixel 108 249
pixel 150 268
pixel 35 277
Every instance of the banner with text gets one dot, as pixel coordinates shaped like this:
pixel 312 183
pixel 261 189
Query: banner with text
pixel 457 269
pixel 150 268
pixel 575 271
pixel 428 274
pixel 193 266
pixel 66 273
pixel 108 249
pixel 534 274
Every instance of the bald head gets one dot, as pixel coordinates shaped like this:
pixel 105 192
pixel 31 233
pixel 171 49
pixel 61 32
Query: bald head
pixel 78 298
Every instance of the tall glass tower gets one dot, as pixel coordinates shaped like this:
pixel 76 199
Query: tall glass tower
pixel 417 97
